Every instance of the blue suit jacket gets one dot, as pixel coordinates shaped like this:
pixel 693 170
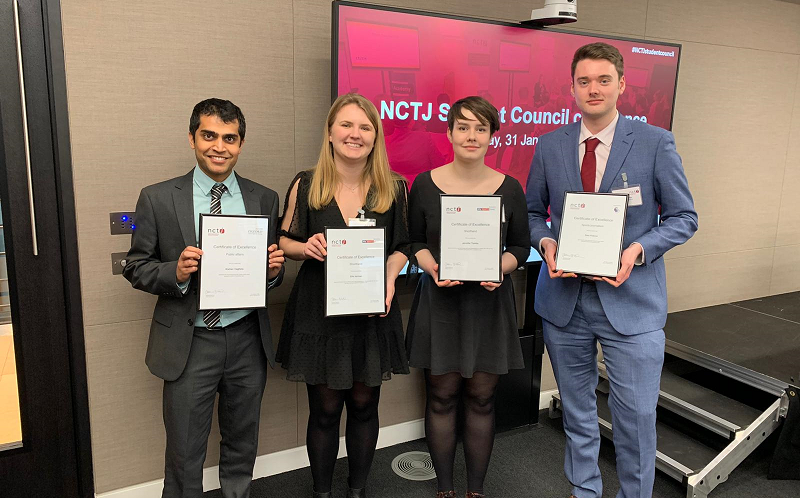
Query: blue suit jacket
pixel 647 155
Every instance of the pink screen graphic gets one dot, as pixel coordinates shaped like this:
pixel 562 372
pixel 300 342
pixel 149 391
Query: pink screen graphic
pixel 514 57
pixel 413 66
pixel 379 46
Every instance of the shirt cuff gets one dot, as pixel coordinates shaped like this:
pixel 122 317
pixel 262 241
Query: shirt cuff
pixel 541 249
pixel 271 282
pixel 640 260
pixel 183 286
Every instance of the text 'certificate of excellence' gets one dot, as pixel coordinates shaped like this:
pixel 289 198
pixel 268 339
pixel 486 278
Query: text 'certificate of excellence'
pixel 233 268
pixel 355 271
pixel 470 238
pixel 592 229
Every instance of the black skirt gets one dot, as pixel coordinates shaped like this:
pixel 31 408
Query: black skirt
pixel 464 329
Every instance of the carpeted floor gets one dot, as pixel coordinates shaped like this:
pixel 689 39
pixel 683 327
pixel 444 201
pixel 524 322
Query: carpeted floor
pixel 526 463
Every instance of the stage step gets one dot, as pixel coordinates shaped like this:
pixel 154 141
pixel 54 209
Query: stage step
pixel 678 455
pixel 724 389
pixel 690 454
pixel 706 408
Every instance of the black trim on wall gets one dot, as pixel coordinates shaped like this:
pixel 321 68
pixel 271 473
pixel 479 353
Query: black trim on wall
pixel 46 465
pixel 57 88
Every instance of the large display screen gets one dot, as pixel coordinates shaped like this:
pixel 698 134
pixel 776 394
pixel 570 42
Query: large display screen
pixel 413 65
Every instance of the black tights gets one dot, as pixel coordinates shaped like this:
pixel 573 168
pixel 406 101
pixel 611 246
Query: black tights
pixel 322 437
pixel 443 393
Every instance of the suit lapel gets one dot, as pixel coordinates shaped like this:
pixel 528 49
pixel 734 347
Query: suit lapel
pixel 623 140
pixel 569 150
pixel 251 201
pixel 182 198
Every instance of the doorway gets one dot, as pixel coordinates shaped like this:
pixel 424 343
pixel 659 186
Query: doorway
pixel 44 423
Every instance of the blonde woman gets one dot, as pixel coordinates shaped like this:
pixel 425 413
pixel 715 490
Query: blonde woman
pixel 343 360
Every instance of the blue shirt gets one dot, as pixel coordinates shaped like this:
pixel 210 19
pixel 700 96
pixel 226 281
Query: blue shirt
pixel 232 203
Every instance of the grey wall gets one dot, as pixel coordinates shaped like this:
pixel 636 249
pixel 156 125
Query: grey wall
pixel 135 69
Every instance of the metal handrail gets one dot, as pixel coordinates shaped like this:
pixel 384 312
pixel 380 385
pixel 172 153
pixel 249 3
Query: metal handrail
pixel 25 129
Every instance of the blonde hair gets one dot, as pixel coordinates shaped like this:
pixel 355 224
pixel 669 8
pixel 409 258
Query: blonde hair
pixel 382 180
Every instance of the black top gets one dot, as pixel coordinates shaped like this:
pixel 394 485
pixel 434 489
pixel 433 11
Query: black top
pixel 307 221
pixel 337 351
pixel 465 328
pixel 425 217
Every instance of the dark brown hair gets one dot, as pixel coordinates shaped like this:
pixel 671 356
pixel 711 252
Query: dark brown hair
pixel 482 109
pixel 599 50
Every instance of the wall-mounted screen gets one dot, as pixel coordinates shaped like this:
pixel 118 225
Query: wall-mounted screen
pixel 412 65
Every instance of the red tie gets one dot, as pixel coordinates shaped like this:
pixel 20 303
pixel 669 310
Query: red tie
pixel 589 165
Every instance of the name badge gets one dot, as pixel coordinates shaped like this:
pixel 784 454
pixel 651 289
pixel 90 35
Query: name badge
pixel 634 194
pixel 361 222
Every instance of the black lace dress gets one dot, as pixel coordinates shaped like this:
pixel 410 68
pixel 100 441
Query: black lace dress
pixel 464 328
pixel 338 351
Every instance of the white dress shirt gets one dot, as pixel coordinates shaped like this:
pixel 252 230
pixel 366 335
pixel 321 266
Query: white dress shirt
pixel 606 136
pixel 601 152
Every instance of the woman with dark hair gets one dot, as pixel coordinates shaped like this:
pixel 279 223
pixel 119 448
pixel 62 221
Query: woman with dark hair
pixel 464 334
pixel 343 360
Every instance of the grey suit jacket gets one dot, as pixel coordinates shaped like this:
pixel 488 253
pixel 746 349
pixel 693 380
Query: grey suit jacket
pixel 164 227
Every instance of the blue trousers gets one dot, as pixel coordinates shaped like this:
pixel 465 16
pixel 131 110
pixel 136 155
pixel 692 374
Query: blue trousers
pixel 634 366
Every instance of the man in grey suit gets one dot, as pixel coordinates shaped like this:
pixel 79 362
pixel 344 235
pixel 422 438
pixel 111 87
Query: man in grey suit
pixel 606 152
pixel 200 354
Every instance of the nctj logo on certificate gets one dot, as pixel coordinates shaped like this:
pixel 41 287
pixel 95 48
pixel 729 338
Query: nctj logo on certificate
pixel 213 232
pixel 451 210
pixel 338 242
pixel 577 205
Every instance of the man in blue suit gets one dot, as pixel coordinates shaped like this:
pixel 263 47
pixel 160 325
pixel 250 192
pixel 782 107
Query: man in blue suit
pixel 605 152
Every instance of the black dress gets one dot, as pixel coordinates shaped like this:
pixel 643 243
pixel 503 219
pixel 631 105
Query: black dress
pixel 464 328
pixel 338 351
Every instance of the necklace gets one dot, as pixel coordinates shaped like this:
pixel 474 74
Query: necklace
pixel 351 189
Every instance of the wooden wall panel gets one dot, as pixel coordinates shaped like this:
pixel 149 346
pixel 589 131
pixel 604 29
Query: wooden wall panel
pixel 785 270
pixel 724 145
pixel 789 219
pixel 711 279
pixel 768 25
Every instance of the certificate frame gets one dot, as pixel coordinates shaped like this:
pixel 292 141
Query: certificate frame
pixel 442 256
pixel 573 198
pixel 201 306
pixel 381 310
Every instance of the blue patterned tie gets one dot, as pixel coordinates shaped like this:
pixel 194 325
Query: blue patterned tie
pixel 211 317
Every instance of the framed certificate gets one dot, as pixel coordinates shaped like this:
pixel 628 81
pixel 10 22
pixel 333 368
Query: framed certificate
pixel 591 235
pixel 355 271
pixel 471 248
pixel 235 261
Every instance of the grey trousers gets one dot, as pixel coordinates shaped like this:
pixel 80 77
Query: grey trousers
pixel 229 361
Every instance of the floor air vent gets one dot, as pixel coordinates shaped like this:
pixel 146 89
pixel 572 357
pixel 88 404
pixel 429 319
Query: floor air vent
pixel 414 466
